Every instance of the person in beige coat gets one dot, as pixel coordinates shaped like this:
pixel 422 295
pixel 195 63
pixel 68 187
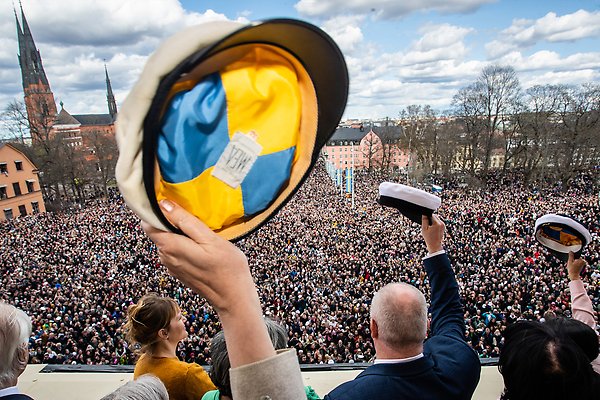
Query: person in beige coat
pixel 217 270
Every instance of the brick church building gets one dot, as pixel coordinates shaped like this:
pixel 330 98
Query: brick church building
pixel 45 120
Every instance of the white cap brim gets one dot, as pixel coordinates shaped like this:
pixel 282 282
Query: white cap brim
pixel 410 194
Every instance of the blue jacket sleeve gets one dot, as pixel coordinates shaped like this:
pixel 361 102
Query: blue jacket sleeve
pixel 447 317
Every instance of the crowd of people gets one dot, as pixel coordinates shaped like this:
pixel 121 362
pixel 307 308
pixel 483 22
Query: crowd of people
pixel 317 265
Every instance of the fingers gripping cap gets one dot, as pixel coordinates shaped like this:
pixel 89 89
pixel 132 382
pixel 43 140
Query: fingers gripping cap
pixel 227 120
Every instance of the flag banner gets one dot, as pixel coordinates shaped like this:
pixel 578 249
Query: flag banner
pixel 338 177
pixel 349 180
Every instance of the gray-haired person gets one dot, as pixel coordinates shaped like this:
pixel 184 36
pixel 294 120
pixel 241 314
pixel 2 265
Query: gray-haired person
pixel 146 387
pixel 15 329
pixel 219 372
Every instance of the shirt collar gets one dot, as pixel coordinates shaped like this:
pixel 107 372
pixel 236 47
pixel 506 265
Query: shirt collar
pixel 9 390
pixel 397 360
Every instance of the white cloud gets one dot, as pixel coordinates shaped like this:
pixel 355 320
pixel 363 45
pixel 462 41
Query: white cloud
pixel 561 77
pixel 429 71
pixel 545 60
pixel 438 36
pixel 76 36
pixel 551 28
pixel 346 31
pixel 384 9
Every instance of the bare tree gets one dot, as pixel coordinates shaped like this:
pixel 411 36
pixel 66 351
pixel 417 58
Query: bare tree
pixel 420 135
pixel 579 122
pixel 500 90
pixel 469 110
pixel 14 122
pixel 371 147
pixel 390 143
pixel 485 108
pixel 103 157
pixel 537 126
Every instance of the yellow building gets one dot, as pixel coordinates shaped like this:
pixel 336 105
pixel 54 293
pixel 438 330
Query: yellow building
pixel 20 192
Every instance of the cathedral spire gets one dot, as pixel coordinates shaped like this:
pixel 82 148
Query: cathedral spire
pixel 32 69
pixel 110 98
pixel 39 99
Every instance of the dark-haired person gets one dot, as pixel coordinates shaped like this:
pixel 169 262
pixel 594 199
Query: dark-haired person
pixel 584 336
pixel 581 304
pixel 157 325
pixel 407 366
pixel 540 361
pixel 15 329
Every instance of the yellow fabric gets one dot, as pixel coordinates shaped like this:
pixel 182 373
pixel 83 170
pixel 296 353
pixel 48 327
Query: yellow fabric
pixel 263 96
pixel 212 201
pixel 184 381
pixel 302 157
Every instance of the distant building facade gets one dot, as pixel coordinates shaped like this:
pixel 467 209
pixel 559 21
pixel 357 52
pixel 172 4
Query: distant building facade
pixel 366 147
pixel 20 192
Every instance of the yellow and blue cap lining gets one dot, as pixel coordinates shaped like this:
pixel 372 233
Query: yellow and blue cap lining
pixel 258 90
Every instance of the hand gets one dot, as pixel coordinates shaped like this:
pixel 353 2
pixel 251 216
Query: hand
pixel 216 269
pixel 203 261
pixel 433 234
pixel 574 266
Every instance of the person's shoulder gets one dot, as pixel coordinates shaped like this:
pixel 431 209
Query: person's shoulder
pixel 450 347
pixel 347 390
pixel 197 377
pixel 16 396
pixel 364 386
pixel 192 366
pixel 454 359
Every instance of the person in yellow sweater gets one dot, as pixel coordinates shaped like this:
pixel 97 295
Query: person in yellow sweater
pixel 156 324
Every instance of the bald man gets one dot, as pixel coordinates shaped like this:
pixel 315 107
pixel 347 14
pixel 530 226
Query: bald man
pixel 407 366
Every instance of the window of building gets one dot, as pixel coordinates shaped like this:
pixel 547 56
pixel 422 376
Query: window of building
pixel 17 188
pixel 3 193
pixel 35 207
pixel 22 210
pixel 8 213
pixel 3 168
pixel 29 184
pixel 19 165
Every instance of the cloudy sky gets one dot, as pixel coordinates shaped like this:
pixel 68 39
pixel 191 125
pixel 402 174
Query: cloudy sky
pixel 399 52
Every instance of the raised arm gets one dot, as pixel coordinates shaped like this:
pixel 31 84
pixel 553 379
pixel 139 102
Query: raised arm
pixel 217 270
pixel 446 309
pixel 581 304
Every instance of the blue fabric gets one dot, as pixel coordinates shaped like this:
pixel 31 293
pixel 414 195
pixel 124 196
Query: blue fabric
pixel 449 369
pixel 194 132
pixel 263 182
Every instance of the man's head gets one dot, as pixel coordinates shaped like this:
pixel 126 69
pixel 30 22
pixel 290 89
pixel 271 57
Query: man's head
pixel 15 329
pixel 399 316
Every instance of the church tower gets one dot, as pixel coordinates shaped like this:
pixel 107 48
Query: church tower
pixel 39 99
pixel 110 98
